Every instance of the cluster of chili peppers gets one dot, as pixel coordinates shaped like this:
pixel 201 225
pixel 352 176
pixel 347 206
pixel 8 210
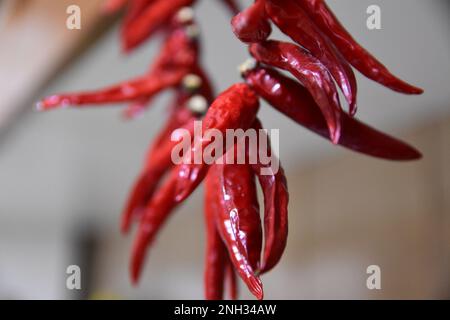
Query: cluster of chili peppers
pixel 319 59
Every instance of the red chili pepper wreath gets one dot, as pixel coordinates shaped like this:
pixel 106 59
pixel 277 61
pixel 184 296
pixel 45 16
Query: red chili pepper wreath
pixel 319 59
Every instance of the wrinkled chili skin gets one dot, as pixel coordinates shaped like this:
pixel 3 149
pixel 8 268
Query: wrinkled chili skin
pixel 310 72
pixel 252 25
pixel 293 100
pixel 235 108
pixel 295 23
pixel 216 253
pixel 276 199
pixel 239 222
pixel 154 16
pixel 353 52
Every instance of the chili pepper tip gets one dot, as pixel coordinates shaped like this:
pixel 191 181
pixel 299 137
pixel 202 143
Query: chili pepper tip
pixel 256 288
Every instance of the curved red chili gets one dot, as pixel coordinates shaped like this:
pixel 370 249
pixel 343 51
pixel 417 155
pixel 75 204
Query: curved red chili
pixel 295 23
pixel 292 99
pixel 252 25
pixel 134 10
pixel 156 214
pixel 126 91
pixel 178 57
pixel 276 198
pixel 359 57
pixel 157 163
pixel 310 72
pixel 239 222
pixel 216 253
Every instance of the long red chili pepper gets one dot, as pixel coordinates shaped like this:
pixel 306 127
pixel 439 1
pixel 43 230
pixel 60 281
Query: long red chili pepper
pixel 235 108
pixel 295 23
pixel 158 162
pixel 252 25
pixel 178 57
pixel 156 214
pixel 359 57
pixel 216 254
pixel 239 223
pixel 126 91
pixel 157 14
pixel 276 198
pixel 310 72
pixel 294 100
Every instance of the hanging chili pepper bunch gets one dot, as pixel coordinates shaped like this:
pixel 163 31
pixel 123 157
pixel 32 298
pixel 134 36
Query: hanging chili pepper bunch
pixel 320 57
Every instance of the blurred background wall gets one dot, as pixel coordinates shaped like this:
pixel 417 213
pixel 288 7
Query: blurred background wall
pixel 64 175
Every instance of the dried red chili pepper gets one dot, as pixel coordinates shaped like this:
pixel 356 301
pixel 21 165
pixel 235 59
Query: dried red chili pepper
pixel 359 57
pixel 159 160
pixel 218 266
pixel 239 222
pixel 157 163
pixel 310 72
pixel 235 108
pixel 294 100
pixel 295 23
pixel 126 91
pixel 252 25
pixel 276 197
pixel 178 57
pixel 156 214
pixel 134 10
pixel 154 16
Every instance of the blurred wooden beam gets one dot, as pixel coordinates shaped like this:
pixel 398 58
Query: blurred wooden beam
pixel 36 44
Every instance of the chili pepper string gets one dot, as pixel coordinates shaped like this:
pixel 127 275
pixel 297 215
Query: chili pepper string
pixel 319 59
